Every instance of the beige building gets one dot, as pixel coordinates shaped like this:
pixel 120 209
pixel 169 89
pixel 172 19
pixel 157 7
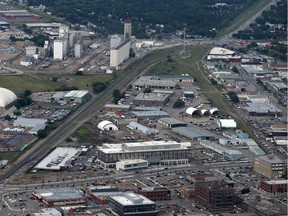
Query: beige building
pixel 269 166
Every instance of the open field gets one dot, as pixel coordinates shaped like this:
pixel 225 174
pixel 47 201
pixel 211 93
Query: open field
pixel 243 17
pixel 8 155
pixel 19 83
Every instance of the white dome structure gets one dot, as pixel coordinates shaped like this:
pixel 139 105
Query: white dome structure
pixel 214 111
pixel 193 111
pixel 6 97
pixel 107 125
pixel 205 112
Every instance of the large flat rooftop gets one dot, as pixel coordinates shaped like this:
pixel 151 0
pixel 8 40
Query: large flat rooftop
pixel 151 97
pixel 55 194
pixel 130 199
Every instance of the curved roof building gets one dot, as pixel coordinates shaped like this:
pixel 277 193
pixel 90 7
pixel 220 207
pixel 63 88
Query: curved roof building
pixel 6 97
pixel 205 112
pixel 214 111
pixel 193 111
pixel 107 125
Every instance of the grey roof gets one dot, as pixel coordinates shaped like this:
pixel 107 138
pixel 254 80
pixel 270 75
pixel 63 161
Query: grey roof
pixel 151 97
pixel 175 76
pixel 150 113
pixel 262 107
pixel 153 81
pixel 143 129
pixel 147 108
pixel 193 132
pixel 59 193
pixel 117 106
pixel 256 150
pixel 270 159
pixel 171 121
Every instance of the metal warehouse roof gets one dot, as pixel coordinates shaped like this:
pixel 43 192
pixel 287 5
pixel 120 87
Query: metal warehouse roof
pixel 221 51
pixel 193 132
pixel 76 93
pixel 54 194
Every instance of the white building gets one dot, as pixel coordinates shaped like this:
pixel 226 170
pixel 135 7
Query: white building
pixel 77 96
pixel 60 48
pixel 107 125
pixel 120 53
pixel 78 50
pixel 131 164
pixel 143 129
pixel 127 30
pixel 6 97
pixel 226 123
pixel 115 40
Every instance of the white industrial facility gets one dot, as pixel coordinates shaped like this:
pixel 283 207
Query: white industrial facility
pixel 58 159
pixel 226 123
pixel 6 97
pixel 142 129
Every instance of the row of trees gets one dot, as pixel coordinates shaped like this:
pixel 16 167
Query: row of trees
pixel 108 15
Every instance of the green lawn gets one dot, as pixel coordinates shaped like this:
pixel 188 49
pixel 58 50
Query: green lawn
pixel 243 17
pixel 8 155
pixel 19 83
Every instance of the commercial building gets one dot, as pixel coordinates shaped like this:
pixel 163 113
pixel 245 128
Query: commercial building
pixel 94 210
pixel 222 54
pixel 160 91
pixel 142 129
pixel 151 99
pixel 155 193
pixel 154 82
pixel 215 196
pixel 48 212
pixel 131 164
pixel 274 186
pixel 19 15
pixel 6 97
pixel 155 152
pixel 101 194
pixel 58 159
pixel 59 196
pixel 194 133
pixel 29 122
pixel 77 96
pixel 130 203
pixel 269 166
pixel 120 53
pixel 149 114
pixel 253 147
pixel 171 122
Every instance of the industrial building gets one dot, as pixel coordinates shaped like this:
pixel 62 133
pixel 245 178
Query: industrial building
pixel 194 133
pixel 107 126
pixel 151 99
pixel 48 212
pixel 262 109
pixel 130 203
pixel 29 122
pixel 226 123
pixel 274 186
pixel 149 114
pixel 253 147
pixel 215 196
pixel 147 108
pixel 15 141
pixel 228 154
pixel 172 122
pixel 6 97
pixel 193 112
pixel 59 196
pixel 187 78
pixel 120 53
pixel 131 164
pixel 20 15
pixel 155 152
pixel 117 108
pixel 142 129
pixel 101 194
pixel 160 91
pixel 188 94
pixel 155 193
pixel 52 25
pixel 58 159
pixel 270 166
pixel 153 82
pixel 4 26
pixel 60 48
pixel 77 96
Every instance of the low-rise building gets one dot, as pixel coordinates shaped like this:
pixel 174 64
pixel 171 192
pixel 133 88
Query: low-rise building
pixel 133 164
pixel 149 114
pixel 48 212
pixel 151 99
pixel 59 196
pixel 171 122
pixel 269 166
pixel 142 129
pixel 274 186
pixel 154 82
pixel 194 133
pixel 262 109
pixel 215 196
pixel 155 193
pixel 101 194
pixel 130 203
pixel 77 96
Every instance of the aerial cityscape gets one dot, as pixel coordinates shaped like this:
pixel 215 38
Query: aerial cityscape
pixel 143 108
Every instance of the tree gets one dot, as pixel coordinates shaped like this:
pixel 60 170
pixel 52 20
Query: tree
pixel 117 95
pixel 27 93
pixel 54 79
pixel 233 96
pixel 98 86
pixel 8 118
pixel 179 104
pixel 79 73
pixel 42 133
pixel 213 82
pixel 147 90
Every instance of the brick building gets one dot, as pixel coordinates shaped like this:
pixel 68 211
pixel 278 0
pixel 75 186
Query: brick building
pixel 155 193
pixel 216 196
pixel 274 186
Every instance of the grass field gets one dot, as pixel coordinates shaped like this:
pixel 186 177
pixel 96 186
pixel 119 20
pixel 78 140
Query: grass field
pixel 8 155
pixel 243 17
pixel 19 83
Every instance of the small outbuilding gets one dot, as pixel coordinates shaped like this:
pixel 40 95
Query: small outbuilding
pixel 107 125
pixel 193 112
